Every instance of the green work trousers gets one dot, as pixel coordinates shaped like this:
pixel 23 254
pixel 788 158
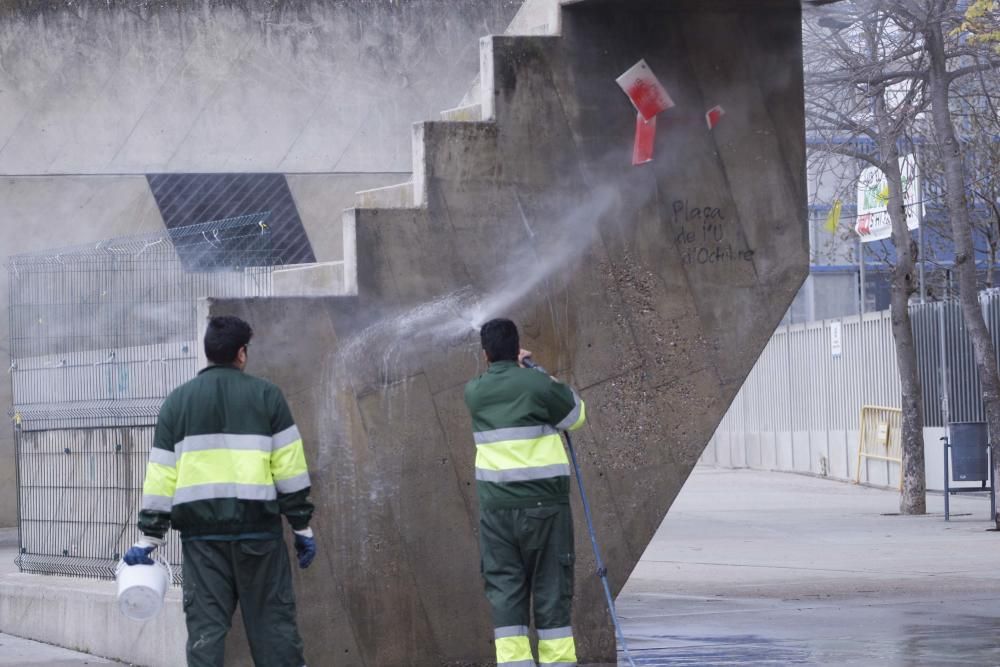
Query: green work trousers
pixel 527 563
pixel 255 573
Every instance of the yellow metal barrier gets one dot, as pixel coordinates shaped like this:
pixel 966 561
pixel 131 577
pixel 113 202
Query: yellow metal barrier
pixel 880 439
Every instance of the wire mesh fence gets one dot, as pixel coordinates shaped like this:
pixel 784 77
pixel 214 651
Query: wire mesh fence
pixel 99 335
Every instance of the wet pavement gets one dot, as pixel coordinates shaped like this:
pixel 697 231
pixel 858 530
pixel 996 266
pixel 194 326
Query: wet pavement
pixel 755 568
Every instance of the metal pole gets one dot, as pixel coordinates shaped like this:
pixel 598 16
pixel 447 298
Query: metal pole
pixel 920 219
pixel 947 490
pixel 945 389
pixel 920 243
pixel 861 274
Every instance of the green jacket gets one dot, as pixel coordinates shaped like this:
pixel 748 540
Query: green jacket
pixel 227 461
pixel 517 414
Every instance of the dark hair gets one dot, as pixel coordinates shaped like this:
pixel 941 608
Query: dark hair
pixel 224 338
pixel 500 340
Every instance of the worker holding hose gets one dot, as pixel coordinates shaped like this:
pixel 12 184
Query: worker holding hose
pixel 522 479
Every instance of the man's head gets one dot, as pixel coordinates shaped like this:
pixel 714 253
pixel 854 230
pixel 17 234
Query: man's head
pixel 500 340
pixel 226 341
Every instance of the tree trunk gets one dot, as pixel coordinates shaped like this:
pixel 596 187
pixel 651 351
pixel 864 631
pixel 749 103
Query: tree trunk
pixel 913 497
pixel 961 229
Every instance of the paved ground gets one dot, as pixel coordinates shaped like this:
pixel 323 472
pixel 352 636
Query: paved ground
pixel 755 568
pixel 17 652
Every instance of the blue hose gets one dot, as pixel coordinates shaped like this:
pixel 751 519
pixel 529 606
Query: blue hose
pixel 602 571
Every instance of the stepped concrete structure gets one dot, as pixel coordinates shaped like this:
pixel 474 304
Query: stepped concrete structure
pixel 652 288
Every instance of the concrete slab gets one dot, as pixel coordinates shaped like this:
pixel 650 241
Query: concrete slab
pixel 773 568
pixel 82 614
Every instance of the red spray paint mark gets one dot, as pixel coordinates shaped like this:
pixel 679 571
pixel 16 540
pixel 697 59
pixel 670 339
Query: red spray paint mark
pixel 713 116
pixel 646 92
pixel 645 135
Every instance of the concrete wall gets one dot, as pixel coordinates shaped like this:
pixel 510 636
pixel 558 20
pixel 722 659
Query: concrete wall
pixel 831 454
pixel 94 95
pixel 194 86
pixel 535 213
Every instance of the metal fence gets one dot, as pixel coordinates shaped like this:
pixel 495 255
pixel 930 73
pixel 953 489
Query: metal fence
pixel 100 334
pixel 799 408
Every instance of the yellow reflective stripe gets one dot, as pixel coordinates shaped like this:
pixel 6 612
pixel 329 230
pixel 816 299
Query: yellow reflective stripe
pixel 511 454
pixel 160 480
pixel 289 461
pixel 223 466
pixel 556 651
pixel 513 649
pixel 583 417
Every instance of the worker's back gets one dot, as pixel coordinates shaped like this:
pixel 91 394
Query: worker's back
pixel 220 430
pixel 516 417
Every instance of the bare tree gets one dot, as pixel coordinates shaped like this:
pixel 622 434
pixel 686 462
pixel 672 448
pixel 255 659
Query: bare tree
pixel 864 86
pixel 977 121
pixel 939 21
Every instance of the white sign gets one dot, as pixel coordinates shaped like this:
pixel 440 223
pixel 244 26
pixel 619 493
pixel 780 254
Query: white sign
pixel 873 222
pixel 836 346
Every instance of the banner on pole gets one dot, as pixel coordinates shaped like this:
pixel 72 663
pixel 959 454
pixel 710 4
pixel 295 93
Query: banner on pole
pixel 873 222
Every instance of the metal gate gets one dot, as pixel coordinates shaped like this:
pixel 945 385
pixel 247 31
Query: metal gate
pixel 100 334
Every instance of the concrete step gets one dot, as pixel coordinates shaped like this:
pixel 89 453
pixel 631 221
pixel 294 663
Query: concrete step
pixel 318 279
pixel 83 615
pixel 470 112
pixel 391 196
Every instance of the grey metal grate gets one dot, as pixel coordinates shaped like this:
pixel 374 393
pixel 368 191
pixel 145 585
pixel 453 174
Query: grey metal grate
pixel 100 334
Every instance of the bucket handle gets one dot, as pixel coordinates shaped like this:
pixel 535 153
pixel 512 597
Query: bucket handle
pixel 156 559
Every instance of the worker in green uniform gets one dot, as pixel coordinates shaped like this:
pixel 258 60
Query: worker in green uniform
pixel 522 479
pixel 227 461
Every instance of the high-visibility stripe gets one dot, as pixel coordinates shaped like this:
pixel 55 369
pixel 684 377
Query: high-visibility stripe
pixel 576 416
pixel 286 437
pixel 292 485
pixel 234 441
pixel 522 474
pixel 163 456
pixel 512 454
pixel 513 651
pixel 157 503
pixel 214 491
pixel 160 480
pixel 289 462
pixel 556 633
pixel 510 631
pixel 553 652
pixel 223 466
pixel 513 433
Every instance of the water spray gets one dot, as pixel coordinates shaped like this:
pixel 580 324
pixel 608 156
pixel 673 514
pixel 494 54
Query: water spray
pixel 602 570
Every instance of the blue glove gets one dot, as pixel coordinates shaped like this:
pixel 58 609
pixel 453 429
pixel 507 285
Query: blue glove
pixel 305 547
pixel 138 553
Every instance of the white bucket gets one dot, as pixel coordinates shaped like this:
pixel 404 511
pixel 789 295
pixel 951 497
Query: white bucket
pixel 141 588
